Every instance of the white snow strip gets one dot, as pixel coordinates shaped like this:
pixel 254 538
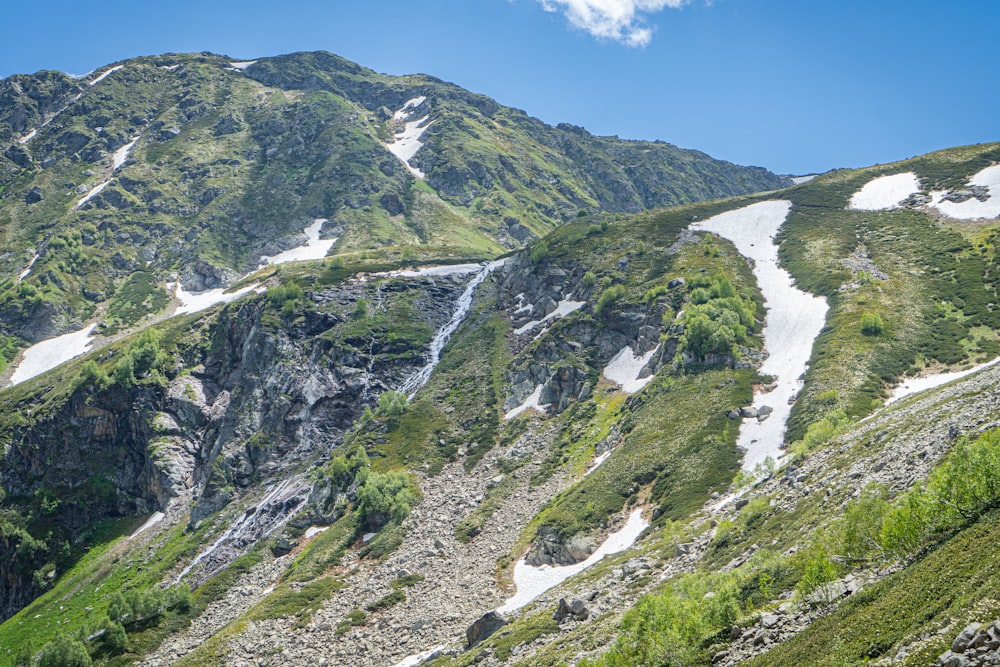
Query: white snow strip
pixel 193 302
pixel 601 458
pixel 48 354
pixel 27 269
pixel 419 658
pixel 412 384
pixel 533 581
pixel 434 270
pixel 565 307
pixel 93 192
pixel 973 209
pixel 314 248
pixel 799 180
pixel 410 104
pixel 529 403
pixel 105 74
pixel 313 531
pixel 242 65
pixel 885 192
pixel 119 156
pixel 911 386
pixel 156 518
pixel 28 137
pixel 624 369
pixel 169 68
pixel 794 319
pixel 406 143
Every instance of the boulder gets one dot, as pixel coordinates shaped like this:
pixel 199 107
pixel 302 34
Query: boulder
pixel 484 626
pixel 575 610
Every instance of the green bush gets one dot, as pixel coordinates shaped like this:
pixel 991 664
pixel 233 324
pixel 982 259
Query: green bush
pixel 872 324
pixel 385 497
pixel 64 651
pixel 539 251
pixel 392 404
pixel 608 298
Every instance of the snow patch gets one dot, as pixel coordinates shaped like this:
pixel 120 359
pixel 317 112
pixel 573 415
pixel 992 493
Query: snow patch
pixel 799 180
pixel 794 320
pixel 313 531
pixel 193 302
pixel 601 458
pixel 564 308
pixel 242 65
pixel 885 192
pixel 419 658
pixel 624 369
pixel 156 518
pixel 105 74
pixel 169 68
pixel 973 209
pixel 404 112
pixel 314 248
pixel 437 270
pixel 533 581
pixel 910 386
pixel 48 354
pixel 93 192
pixel 406 143
pixel 529 403
pixel 119 156
pixel 27 269
pixel 28 137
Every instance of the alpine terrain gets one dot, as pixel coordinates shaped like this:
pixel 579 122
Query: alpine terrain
pixel 305 364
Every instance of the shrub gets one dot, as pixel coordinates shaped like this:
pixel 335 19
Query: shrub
pixel 608 298
pixel 872 324
pixel 539 251
pixel 385 497
pixel 64 651
pixel 392 404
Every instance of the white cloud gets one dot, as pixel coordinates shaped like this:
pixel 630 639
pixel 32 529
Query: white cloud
pixel 619 20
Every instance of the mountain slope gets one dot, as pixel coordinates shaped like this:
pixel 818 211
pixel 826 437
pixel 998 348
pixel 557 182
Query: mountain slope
pixel 355 461
pixel 187 165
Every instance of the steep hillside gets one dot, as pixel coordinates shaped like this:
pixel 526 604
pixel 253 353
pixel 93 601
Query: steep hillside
pixel 680 436
pixel 190 168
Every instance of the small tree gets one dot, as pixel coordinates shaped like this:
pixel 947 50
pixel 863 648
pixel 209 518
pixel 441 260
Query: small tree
pixel 385 497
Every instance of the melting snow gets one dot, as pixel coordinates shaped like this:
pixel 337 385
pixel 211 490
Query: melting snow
pixel 169 68
pixel 193 302
pixel 799 180
pixel 529 403
pixel 119 156
pixel 911 386
pixel 601 458
pixel 93 192
pixel 102 76
pixel 313 531
pixel 314 248
pixel 794 319
pixel 885 192
pixel 242 65
pixel 973 209
pixel 564 308
pixel 419 658
pixel 150 522
pixel 27 269
pixel 48 354
pixel 28 137
pixel 405 144
pixel 533 581
pixel 624 369
pixel 432 271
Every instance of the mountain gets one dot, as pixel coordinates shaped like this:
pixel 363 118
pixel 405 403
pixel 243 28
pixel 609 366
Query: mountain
pixel 756 430
pixel 193 167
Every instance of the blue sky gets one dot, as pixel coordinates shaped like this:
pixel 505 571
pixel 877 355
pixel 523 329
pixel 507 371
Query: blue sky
pixel 796 87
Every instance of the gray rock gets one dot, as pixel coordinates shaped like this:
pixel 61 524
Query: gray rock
pixel 748 412
pixel 485 626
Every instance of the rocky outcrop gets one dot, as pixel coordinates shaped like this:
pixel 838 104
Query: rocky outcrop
pixel 485 626
pixel 549 548
pixel 976 645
